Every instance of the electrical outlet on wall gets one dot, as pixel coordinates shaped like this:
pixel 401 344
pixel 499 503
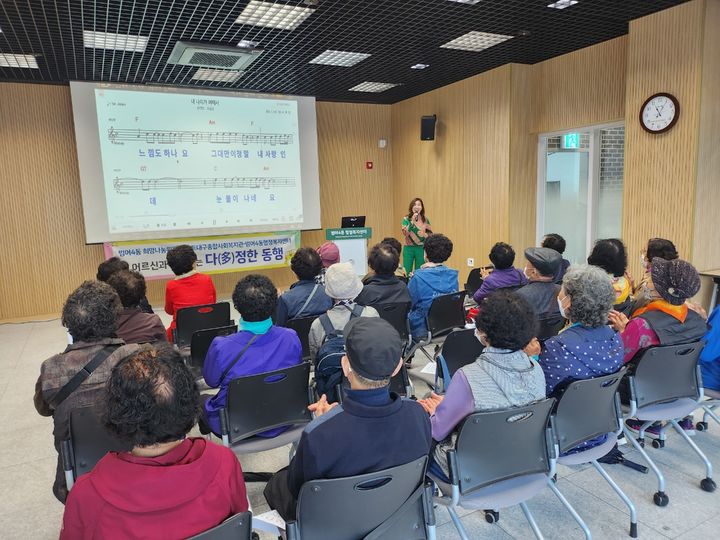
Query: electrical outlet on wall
pixel 471 262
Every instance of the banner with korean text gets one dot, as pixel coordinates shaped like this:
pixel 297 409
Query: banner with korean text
pixel 216 254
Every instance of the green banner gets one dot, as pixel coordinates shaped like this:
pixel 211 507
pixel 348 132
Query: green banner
pixel 347 234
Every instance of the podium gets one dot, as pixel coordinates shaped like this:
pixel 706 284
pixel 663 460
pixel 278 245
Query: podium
pixel 352 244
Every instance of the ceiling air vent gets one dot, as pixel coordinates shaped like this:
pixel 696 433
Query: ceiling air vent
pixel 187 53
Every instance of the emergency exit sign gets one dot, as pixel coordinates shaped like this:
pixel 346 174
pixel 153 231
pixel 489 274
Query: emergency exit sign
pixel 571 141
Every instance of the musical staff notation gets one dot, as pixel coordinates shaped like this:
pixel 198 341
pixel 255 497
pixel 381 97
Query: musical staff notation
pixel 170 182
pixel 161 136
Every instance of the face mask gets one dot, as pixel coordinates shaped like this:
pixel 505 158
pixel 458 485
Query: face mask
pixel 527 274
pixel 562 309
pixel 480 338
pixel 644 262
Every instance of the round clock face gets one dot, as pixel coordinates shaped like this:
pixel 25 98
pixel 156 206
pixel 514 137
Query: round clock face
pixel 659 113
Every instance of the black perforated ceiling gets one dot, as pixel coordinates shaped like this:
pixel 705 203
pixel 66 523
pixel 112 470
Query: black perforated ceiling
pixel 397 34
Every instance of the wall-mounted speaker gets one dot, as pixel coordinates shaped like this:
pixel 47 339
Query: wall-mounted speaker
pixel 427 127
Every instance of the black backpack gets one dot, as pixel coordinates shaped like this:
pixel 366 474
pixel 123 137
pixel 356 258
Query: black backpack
pixel 328 371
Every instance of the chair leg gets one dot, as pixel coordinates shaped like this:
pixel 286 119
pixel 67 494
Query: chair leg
pixel 621 494
pixel 531 521
pixel 458 525
pixel 707 484
pixel 570 509
pixel 661 479
pixel 710 411
pixel 422 350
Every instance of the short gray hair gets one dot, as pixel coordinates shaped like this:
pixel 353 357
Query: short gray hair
pixel 591 293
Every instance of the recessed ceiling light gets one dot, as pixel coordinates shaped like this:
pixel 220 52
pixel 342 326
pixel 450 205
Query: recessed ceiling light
pixel 420 66
pixel 18 61
pixel 372 87
pixel 247 44
pixel 339 58
pixel 465 1
pixel 562 4
pixel 272 15
pixel 217 75
pixel 118 42
pixel 475 41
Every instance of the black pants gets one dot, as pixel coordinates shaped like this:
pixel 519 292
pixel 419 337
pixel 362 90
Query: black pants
pixel 278 496
pixel 202 418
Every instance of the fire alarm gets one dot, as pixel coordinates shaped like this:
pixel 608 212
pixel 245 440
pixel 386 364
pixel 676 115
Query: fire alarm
pixel 368 165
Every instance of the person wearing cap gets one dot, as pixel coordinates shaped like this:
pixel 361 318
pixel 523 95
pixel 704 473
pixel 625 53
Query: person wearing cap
pixel 374 429
pixel 329 255
pixel 541 290
pixel 342 285
pixel 305 297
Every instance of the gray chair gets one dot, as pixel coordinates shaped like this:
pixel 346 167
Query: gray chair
pixel 709 407
pixel 587 410
pixel 459 349
pixel 258 403
pixel 89 441
pixel 237 527
pixel 502 458
pixel 446 313
pixel 396 314
pixel 389 504
pixel 666 386
pixel 302 326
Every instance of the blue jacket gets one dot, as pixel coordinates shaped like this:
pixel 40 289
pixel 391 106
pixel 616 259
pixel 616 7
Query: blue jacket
pixel 424 286
pixel 276 349
pixel 290 302
pixel 710 356
pixel 372 430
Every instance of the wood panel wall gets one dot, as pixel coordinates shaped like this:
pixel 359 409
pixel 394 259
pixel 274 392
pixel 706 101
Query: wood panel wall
pixel 42 244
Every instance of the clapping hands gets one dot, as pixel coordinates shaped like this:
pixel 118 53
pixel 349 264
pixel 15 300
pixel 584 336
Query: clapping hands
pixel 430 403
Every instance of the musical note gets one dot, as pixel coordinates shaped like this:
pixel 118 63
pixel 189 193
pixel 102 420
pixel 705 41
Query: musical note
pixel 216 137
pixel 169 182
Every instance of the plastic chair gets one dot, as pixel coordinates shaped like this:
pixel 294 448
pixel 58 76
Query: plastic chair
pixel 589 409
pixel 708 407
pixel 459 349
pixel 474 281
pixel 396 313
pixel 302 329
pixel 446 314
pixel 258 403
pixel 237 527
pixel 394 503
pixel 88 443
pixel 201 340
pixel 666 386
pixel 502 458
pixel 191 319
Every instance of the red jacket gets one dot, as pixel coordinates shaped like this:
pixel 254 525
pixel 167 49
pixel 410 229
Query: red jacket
pixel 192 488
pixel 193 290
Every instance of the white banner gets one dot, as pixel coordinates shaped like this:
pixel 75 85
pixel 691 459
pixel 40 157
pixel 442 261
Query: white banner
pixel 216 254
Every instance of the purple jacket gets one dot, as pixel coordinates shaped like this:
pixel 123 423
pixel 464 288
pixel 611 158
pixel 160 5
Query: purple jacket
pixel 499 279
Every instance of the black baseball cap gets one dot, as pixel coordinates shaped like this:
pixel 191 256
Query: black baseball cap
pixel 373 347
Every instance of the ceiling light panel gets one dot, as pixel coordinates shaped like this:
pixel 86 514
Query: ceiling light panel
pixel 562 4
pixel 374 87
pixel 475 41
pixel 117 42
pixel 217 75
pixel 273 15
pixel 420 66
pixel 339 58
pixel 18 61
pixel 465 1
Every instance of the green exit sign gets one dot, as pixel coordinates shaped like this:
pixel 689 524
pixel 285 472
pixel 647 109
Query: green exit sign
pixel 571 141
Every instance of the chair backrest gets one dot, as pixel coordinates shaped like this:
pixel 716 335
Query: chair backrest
pixel 459 349
pixel 446 313
pixel 201 340
pixel 351 508
pixel 667 373
pixel 191 319
pixel 499 445
pixel 474 281
pixel 302 326
pixel 396 314
pixel 258 403
pixel 549 326
pixel 587 409
pixel 89 440
pixel 237 527
pixel 400 383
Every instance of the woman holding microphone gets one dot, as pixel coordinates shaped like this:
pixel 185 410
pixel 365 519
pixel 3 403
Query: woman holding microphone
pixel 415 228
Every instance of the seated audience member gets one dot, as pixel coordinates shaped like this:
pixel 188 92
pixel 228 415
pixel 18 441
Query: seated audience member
pixel 372 430
pixel 710 356
pixel 169 485
pixel 656 247
pixel 395 243
pixel 90 316
pixel 134 325
pixel 264 347
pixel 305 297
pixel 433 279
pixel 588 347
pixel 115 264
pixel 502 376
pixel 329 254
pixel 189 288
pixel 541 291
pixel 343 286
pixel 382 286
pixel 611 256
pixel 504 274
pixel 557 242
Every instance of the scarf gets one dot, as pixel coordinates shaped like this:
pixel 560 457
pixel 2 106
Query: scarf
pixel 678 312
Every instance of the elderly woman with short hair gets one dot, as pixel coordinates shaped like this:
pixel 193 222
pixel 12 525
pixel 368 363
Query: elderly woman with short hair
pixel 586 348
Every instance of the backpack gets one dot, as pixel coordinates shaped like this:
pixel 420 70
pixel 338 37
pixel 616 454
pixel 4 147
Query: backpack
pixel 328 371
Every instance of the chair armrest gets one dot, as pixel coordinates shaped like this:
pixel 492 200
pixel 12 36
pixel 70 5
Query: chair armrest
pixel 225 427
pixel 701 388
pixel 453 467
pixel 292 531
pixel 428 509
pixel 66 453
pixel 633 399
pixel 174 335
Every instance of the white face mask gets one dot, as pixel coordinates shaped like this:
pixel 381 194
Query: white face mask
pixel 643 262
pixel 527 273
pixel 562 309
pixel 481 338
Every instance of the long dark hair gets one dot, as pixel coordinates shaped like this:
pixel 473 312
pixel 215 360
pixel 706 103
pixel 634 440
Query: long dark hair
pixel 410 208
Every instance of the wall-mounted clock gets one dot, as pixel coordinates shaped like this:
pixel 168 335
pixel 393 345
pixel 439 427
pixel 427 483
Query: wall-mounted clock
pixel 659 113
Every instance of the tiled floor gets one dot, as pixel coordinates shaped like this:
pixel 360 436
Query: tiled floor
pixel 28 509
